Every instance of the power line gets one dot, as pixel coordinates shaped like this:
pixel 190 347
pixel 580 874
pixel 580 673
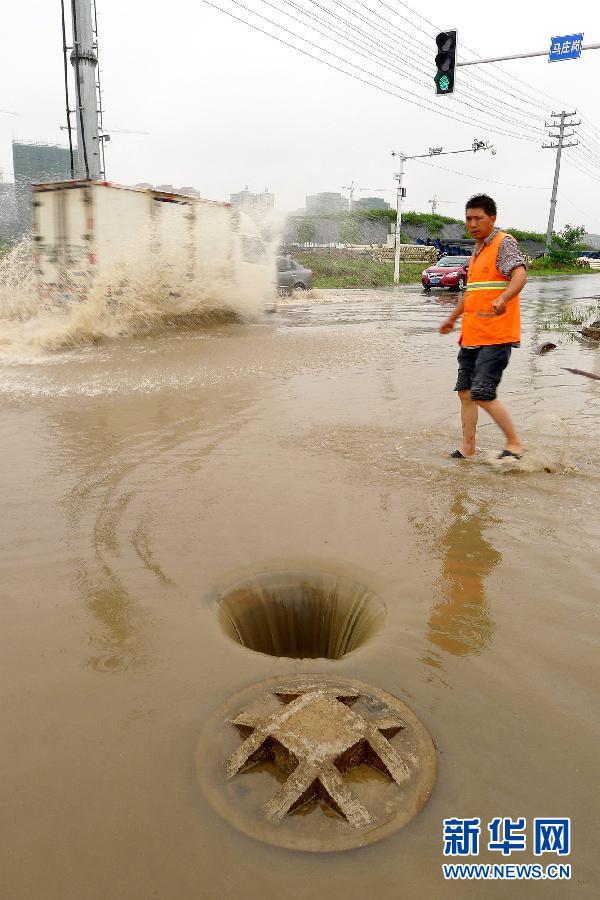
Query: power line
pixel 463 120
pixel 419 45
pixel 578 208
pixel 376 57
pixel 483 178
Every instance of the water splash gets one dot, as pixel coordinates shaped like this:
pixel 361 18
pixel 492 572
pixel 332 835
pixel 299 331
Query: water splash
pixel 143 292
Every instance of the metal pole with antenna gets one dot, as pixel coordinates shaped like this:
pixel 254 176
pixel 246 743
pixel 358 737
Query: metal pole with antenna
pixel 400 194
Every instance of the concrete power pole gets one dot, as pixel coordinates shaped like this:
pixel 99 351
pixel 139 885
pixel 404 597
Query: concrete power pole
pixel 399 176
pixel 558 142
pixel 84 62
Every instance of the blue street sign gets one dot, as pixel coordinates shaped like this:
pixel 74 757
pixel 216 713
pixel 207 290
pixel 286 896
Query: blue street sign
pixel 566 47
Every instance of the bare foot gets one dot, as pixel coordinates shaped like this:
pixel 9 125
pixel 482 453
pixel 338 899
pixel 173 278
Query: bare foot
pixel 467 450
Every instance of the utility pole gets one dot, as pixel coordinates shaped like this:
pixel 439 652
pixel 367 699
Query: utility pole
pixel 400 194
pixel 558 142
pixel 85 61
pixel 401 191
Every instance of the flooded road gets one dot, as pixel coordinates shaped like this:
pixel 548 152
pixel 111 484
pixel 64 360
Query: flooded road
pixel 145 475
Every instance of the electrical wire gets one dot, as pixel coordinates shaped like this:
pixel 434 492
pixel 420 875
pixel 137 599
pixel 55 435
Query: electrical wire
pixel 578 208
pixel 478 95
pixel 576 165
pixel 67 101
pixel 530 187
pixel 376 56
pixel 406 95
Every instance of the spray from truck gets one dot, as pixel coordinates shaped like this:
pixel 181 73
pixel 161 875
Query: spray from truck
pixel 106 260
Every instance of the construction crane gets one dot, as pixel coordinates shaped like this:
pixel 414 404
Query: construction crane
pixel 435 201
pixel 350 187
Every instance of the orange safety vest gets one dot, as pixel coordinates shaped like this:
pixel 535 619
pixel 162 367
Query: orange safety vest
pixel 480 325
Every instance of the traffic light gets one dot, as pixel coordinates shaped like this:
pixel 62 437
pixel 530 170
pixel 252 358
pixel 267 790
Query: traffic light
pixel 445 62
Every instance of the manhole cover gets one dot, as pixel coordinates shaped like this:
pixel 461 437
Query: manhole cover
pixel 315 763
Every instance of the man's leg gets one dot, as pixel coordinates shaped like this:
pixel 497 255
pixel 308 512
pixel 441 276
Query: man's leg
pixel 503 420
pixel 467 357
pixel 490 365
pixel 468 416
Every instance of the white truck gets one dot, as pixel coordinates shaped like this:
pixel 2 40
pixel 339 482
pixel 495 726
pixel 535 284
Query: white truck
pixel 92 236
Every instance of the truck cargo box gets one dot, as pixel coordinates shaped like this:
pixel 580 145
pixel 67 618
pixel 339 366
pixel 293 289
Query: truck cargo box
pixel 97 236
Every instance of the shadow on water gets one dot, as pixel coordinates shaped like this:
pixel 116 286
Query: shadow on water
pixel 460 623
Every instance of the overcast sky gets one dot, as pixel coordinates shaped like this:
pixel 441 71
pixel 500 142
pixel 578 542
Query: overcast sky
pixel 227 106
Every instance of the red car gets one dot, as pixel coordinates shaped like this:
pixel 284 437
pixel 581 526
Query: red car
pixel 449 272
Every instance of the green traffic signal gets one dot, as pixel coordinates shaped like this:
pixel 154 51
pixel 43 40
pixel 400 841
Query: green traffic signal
pixel 445 61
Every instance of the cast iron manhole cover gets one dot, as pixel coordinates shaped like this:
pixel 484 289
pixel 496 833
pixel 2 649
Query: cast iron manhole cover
pixel 316 763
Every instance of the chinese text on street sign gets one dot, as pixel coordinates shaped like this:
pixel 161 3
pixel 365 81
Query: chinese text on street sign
pixel 566 47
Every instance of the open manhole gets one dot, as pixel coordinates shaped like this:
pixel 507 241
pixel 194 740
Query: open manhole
pixel 316 763
pixel 300 615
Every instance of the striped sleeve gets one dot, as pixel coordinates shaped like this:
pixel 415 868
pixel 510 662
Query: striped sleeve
pixel 509 256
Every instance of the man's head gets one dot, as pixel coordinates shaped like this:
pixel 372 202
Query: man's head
pixel 480 215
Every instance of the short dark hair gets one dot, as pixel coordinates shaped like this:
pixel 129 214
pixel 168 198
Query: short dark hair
pixel 482 201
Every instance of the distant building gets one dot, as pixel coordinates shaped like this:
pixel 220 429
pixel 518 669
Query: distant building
pixel 34 163
pixel 371 203
pixel 255 204
pixel 322 204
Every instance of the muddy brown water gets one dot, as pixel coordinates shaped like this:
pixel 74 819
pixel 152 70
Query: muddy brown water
pixel 143 476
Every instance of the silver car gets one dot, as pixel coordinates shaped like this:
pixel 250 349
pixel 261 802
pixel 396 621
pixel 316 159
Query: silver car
pixel 292 276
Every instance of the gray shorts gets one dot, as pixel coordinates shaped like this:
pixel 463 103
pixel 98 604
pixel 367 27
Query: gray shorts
pixel 480 369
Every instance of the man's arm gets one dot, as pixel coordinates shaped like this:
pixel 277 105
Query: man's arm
pixel 518 280
pixel 448 324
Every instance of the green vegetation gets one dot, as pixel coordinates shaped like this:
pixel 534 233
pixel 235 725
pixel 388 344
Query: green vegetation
pixel 543 266
pixel 526 235
pixel 356 272
pixel 565 246
pixel 432 221
pixel 349 230
pixel 573 316
pixel 306 230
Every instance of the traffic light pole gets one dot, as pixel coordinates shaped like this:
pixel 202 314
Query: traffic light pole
pixel 495 59
pixel 399 176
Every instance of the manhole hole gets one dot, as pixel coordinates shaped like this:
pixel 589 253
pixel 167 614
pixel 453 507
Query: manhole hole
pixel 300 615
pixel 314 763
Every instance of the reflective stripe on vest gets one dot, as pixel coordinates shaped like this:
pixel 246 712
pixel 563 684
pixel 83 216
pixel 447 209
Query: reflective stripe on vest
pixel 480 325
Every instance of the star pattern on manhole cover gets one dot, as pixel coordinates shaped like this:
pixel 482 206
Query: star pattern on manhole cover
pixel 315 738
pixel 315 762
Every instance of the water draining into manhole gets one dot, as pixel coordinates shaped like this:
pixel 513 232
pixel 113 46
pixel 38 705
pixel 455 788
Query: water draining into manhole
pixel 302 615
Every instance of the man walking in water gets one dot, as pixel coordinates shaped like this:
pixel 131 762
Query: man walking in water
pixel 490 327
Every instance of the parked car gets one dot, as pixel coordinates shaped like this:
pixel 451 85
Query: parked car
pixel 292 276
pixel 449 272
